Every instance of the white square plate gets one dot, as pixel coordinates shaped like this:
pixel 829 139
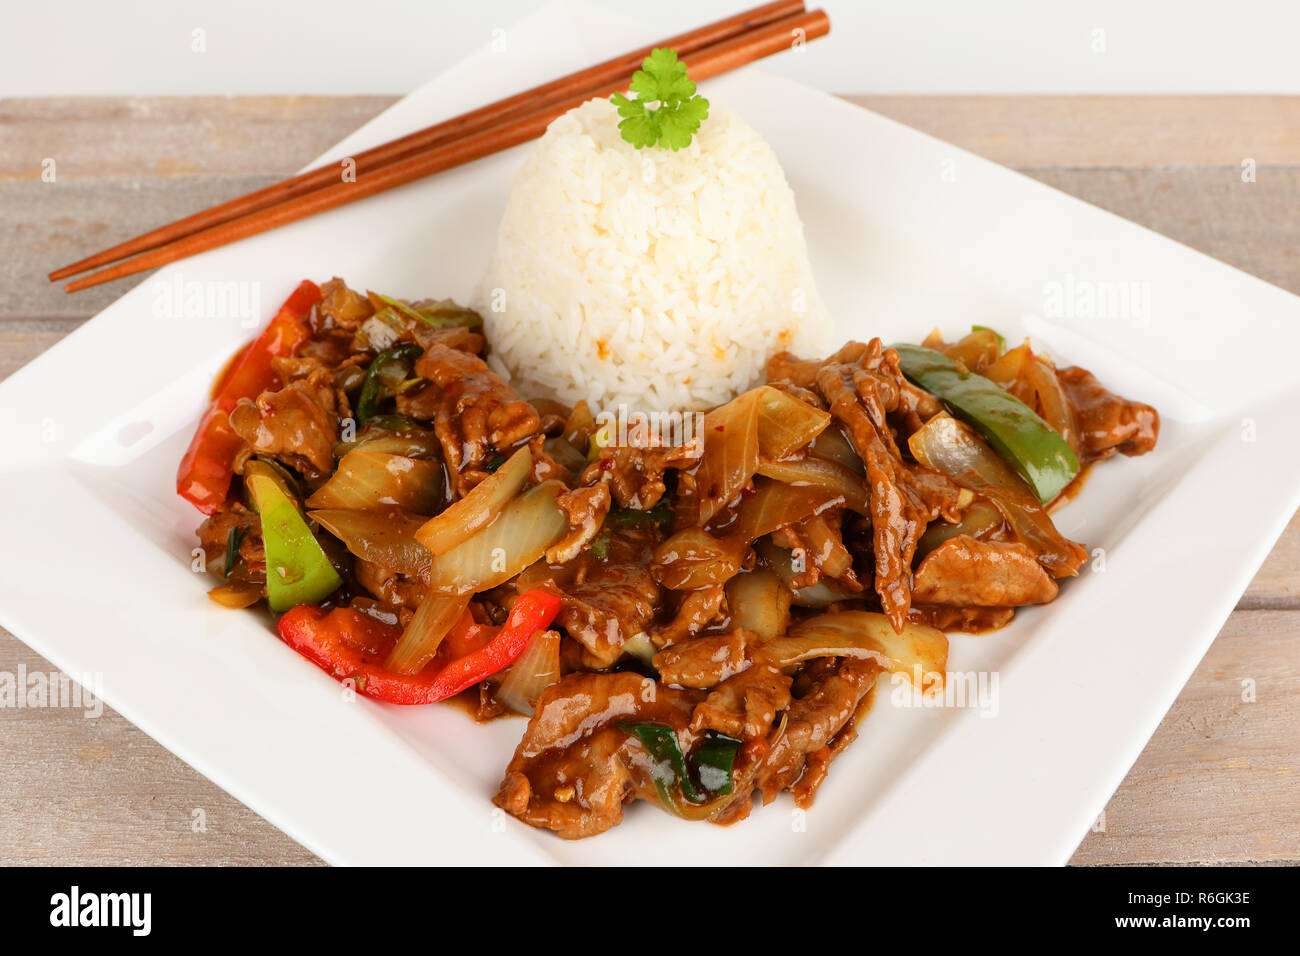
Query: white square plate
pixel 906 233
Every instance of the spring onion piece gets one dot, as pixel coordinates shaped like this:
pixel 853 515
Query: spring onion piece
pixel 367 480
pixel 536 669
pixel 528 526
pixel 385 538
pixel 383 372
pixel 233 541
pixel 478 509
pixel 660 514
pixel 759 602
pixel 297 569
pixel 599 547
pixel 1015 431
pixel 433 619
pixel 697 794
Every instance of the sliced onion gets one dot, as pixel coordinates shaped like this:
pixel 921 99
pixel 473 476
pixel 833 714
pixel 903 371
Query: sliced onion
pixel 385 538
pixel 436 615
pixel 730 454
pixel 775 505
pixel 976 351
pixel 370 479
pixel 833 446
pixel 917 650
pixel 237 595
pixel 566 455
pixel 824 592
pixel 536 669
pixel 785 424
pixel 641 647
pixel 1051 401
pixel 819 473
pixel 692 558
pixel 579 427
pixel 978 519
pixel 759 602
pixel 412 441
pixel 527 527
pixel 479 508
pixel 955 449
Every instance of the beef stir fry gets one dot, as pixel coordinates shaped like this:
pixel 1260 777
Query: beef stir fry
pixel 690 619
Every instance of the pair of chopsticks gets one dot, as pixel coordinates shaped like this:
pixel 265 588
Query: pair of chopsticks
pixel 707 51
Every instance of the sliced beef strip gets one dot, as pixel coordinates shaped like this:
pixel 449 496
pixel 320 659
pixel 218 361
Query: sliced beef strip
pixel 608 605
pixel 812 721
pixel 1107 422
pixel 706 661
pixel 903 499
pixel 966 572
pixel 477 413
pixel 586 509
pixel 575 767
pixel 696 611
pixel 746 704
pixel 636 475
pixel 297 423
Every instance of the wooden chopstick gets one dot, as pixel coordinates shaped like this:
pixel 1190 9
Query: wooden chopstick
pixel 493 114
pixel 705 63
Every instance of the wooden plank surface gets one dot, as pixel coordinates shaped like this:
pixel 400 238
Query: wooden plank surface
pixel 1218 781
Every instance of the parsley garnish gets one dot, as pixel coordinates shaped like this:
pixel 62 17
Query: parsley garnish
pixel 662 79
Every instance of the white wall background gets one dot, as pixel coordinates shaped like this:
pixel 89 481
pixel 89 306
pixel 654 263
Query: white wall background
pixel 125 47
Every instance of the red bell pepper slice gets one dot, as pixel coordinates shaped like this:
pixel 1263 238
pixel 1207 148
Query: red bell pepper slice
pixel 349 644
pixel 532 612
pixel 203 478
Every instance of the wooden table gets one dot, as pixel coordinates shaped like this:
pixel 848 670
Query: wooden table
pixel 1219 782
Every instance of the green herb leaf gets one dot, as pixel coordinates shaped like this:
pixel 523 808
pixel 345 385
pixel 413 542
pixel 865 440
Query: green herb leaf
pixel 676 119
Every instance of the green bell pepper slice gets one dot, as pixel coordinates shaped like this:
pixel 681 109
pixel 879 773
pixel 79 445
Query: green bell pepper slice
pixel 297 569
pixel 1035 449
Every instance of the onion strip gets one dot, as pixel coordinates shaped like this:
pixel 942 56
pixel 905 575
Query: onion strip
pixel 528 526
pixel 479 508
pixel 434 618
pixel 537 668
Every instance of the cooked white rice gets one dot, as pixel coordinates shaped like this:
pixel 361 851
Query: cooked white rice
pixel 656 279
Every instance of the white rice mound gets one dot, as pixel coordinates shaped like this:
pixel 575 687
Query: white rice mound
pixel 657 279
